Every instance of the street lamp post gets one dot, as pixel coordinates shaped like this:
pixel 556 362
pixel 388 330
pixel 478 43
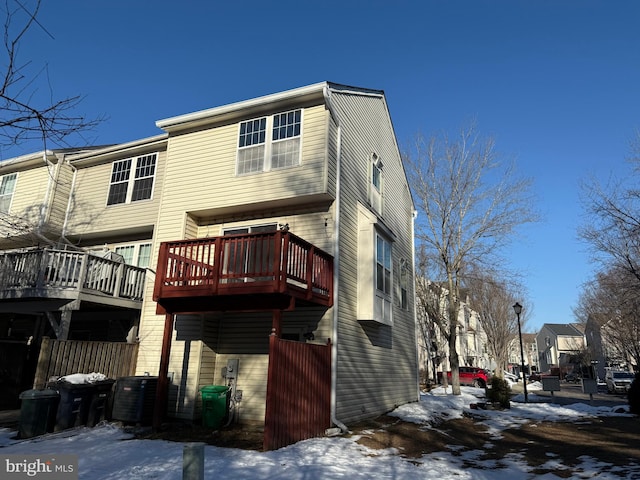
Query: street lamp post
pixel 518 309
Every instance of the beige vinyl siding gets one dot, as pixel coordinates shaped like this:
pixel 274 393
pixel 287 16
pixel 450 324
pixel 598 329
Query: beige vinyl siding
pixel 205 162
pixel 60 195
pixel 30 193
pixel 200 178
pixel 89 212
pixel 366 351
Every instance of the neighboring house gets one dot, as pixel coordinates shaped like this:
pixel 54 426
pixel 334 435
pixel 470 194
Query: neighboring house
pixel 49 286
pixel 558 345
pixel 607 347
pixel 530 350
pixel 471 341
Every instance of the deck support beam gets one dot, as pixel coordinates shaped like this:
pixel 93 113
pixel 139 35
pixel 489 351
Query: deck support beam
pixel 162 391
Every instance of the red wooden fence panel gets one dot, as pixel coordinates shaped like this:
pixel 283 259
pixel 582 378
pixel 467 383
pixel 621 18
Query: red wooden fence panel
pixel 298 392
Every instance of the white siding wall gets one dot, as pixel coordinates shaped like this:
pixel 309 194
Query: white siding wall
pixel 376 364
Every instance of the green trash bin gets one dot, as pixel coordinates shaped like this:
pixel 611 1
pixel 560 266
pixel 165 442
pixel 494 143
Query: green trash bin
pixel 215 405
pixel 38 412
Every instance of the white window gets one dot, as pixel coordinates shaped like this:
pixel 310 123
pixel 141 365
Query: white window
pixel 383 265
pixel 375 194
pixel 258 151
pixel 383 280
pixel 129 187
pixel 138 254
pixel 7 187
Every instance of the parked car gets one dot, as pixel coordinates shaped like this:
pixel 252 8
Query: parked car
pixel 472 376
pixel 510 376
pixel 571 378
pixel 618 381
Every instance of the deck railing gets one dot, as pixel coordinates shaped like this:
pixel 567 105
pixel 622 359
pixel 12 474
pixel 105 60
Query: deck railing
pixel 267 262
pixel 50 268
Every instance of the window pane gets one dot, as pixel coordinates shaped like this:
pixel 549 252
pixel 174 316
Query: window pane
pixel 7 187
pixel 144 255
pixel 8 184
pixel 117 193
pixel 142 189
pixel 121 171
pixel 285 153
pixel 251 160
pixel 286 125
pixel 127 253
pixel 376 177
pixel 252 132
pixel 383 265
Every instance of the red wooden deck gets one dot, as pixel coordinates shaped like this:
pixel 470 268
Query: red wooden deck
pixel 257 271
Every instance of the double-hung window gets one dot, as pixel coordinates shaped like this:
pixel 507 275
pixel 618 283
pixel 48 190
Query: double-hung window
pixel 7 187
pixel 269 143
pixel 132 179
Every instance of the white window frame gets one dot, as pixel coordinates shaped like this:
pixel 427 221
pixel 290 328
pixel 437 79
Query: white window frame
pixel 133 176
pixel 263 147
pixel 135 256
pixel 4 195
pixel 376 183
pixel 383 307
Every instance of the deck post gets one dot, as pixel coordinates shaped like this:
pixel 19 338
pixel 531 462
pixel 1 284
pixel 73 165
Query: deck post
pixel 162 391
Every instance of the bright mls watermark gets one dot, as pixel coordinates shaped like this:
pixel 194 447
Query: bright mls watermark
pixel 50 467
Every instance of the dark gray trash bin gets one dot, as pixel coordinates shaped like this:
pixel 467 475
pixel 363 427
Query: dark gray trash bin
pixel 99 401
pixel 38 412
pixel 73 409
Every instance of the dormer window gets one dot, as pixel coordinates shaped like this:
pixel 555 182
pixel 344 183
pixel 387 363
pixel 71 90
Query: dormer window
pixel 269 143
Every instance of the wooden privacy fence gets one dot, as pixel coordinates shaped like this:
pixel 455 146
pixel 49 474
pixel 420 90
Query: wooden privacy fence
pixel 65 357
pixel 298 392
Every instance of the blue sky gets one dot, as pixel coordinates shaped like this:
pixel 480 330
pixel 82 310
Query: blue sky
pixel 556 83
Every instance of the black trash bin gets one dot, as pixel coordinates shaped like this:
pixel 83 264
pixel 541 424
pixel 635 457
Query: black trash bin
pixel 73 409
pixel 99 401
pixel 38 412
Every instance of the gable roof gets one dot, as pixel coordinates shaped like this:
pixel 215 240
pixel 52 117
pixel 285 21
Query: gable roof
pixel 286 99
pixel 564 329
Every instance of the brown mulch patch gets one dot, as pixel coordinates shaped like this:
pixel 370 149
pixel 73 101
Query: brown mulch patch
pixel 614 440
pixel 234 436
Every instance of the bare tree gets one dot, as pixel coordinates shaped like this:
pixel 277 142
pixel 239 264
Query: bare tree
pixel 493 301
pixel 469 204
pixel 613 234
pixel 612 300
pixel 25 112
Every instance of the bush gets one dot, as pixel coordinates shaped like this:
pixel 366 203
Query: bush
pixel 499 392
pixel 634 395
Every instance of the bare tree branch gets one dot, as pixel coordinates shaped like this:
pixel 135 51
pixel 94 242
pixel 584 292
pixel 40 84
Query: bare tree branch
pixel 469 205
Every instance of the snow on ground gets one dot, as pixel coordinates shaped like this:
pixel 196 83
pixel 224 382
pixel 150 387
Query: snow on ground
pixel 106 452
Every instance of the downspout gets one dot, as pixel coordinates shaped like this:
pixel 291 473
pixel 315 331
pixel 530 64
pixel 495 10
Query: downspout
pixel 414 216
pixel 45 204
pixel 342 428
pixel 71 193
